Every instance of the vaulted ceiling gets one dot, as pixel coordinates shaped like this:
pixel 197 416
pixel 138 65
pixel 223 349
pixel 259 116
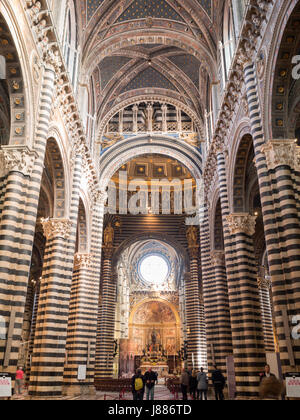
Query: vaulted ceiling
pixel 143 48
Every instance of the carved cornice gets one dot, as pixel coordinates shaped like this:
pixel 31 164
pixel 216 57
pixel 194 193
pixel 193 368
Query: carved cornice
pixel 246 50
pixel 282 153
pixel 108 251
pixel 83 261
pixel 264 283
pixel 99 197
pixel 241 223
pixel 57 228
pixel 218 258
pixel 40 20
pixel 17 159
pixel 194 252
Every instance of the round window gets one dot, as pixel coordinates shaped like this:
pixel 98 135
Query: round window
pixel 154 269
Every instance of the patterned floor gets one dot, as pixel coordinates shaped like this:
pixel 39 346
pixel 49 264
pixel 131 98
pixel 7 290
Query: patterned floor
pixel 161 394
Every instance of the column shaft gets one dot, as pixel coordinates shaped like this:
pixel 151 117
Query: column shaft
pixel 281 221
pixel 104 368
pixel 246 322
pixel 19 204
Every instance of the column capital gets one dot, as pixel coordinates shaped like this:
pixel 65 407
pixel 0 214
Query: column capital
pixel 57 228
pixel 264 283
pixel 187 277
pixel 282 153
pixel 17 159
pixel 108 251
pixel 99 196
pixel 218 257
pixel 83 260
pixel 194 252
pixel 192 236
pixel 241 223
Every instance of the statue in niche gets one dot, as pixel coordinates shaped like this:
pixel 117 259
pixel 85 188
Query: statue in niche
pixel 192 235
pixel 109 235
pixel 154 337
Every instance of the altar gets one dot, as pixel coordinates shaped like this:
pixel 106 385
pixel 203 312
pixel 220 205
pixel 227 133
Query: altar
pixel 161 369
pixel 154 357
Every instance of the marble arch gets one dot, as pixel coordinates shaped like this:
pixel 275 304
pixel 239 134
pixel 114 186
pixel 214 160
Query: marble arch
pixel 125 150
pixel 147 97
pixel 168 38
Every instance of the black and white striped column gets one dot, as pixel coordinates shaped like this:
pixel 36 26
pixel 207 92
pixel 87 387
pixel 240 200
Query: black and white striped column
pixel 246 320
pixel 195 318
pixel 49 353
pixel 280 200
pixel 105 346
pixel 19 203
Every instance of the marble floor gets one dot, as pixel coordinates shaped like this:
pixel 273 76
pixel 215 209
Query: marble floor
pixel 161 394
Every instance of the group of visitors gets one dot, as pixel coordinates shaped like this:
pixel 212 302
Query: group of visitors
pixel 197 384
pixel 144 383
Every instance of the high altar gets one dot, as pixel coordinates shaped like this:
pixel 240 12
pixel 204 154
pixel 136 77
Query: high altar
pixel 154 356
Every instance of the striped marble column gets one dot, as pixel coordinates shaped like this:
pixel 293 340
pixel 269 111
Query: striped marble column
pixel 105 351
pixel 27 324
pixel 264 287
pixel 196 327
pixel 47 367
pixel 32 332
pixel 82 327
pixel 283 157
pixel 280 218
pixel 220 311
pixel 21 174
pixel 55 292
pixel 246 323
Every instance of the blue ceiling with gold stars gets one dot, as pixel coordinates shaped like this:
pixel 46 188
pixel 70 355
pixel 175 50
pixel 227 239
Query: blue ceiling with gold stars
pixel 207 6
pixel 189 65
pixel 141 9
pixel 109 67
pixel 91 7
pixel 149 78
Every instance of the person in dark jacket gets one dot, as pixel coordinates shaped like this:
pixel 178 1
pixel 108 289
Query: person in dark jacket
pixel 185 381
pixel 138 386
pixel 218 381
pixel 267 373
pixel 193 385
pixel 150 380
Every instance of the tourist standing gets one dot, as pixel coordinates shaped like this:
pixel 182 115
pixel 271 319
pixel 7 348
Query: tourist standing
pixel 138 386
pixel 267 373
pixel 150 379
pixel 218 381
pixel 19 381
pixel 193 385
pixel 185 381
pixel 202 387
